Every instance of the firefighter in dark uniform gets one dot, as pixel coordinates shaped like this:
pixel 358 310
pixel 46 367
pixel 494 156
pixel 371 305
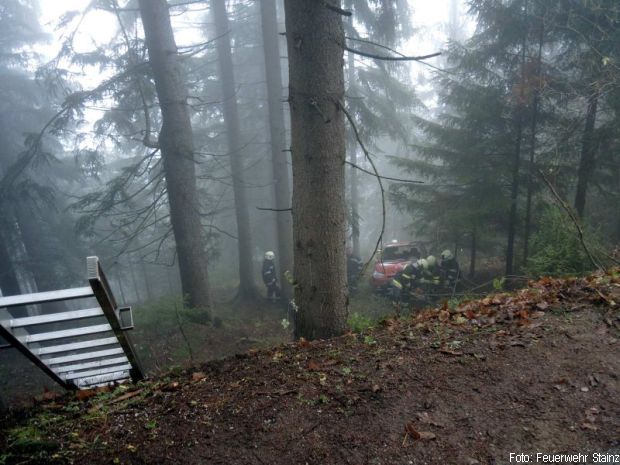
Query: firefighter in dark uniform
pixel 354 266
pixel 270 278
pixel 403 284
pixel 449 269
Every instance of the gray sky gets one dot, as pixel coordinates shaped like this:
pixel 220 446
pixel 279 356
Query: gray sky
pixel 99 26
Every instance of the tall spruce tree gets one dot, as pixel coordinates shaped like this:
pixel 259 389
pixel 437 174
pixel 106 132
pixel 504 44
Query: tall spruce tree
pixel 247 288
pixel 176 144
pixel 315 35
pixel 282 193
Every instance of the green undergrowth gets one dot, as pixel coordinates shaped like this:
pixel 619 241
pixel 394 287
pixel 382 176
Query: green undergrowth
pixel 167 333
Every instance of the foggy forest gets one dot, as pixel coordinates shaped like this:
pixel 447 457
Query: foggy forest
pixel 309 231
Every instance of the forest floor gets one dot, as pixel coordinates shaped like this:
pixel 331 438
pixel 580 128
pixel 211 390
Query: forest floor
pixel 533 371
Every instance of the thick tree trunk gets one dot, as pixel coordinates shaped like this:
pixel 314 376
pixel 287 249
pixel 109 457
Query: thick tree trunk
pixel 9 285
pixel 316 91
pixel 147 281
pixel 588 152
pixel 516 166
pixel 247 287
pixel 533 128
pixel 177 149
pixel 119 281
pixel 472 254
pixel 134 281
pixel 282 192
pixel 354 194
pixel 41 261
pixel 19 261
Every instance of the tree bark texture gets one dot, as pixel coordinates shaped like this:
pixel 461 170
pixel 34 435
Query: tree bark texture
pixel 9 285
pixel 354 192
pixel 516 167
pixel 177 150
pixel 588 152
pixel 282 192
pixel 247 287
pixel 472 254
pixel 316 92
pixel 532 160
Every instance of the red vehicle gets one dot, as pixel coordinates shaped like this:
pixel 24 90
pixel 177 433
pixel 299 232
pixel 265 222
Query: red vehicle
pixel 392 259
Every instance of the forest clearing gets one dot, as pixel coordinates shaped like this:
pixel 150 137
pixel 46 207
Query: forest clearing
pixel 534 371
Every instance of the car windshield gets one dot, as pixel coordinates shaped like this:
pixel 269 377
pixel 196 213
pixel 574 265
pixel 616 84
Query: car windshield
pixel 401 252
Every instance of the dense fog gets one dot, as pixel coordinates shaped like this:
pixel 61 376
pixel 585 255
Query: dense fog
pixel 180 148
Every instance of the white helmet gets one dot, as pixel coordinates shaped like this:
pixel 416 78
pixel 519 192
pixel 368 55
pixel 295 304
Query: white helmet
pixel 422 263
pixel 447 255
pixel 270 255
pixel 431 260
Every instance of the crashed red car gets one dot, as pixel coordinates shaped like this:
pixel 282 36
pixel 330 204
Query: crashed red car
pixel 393 258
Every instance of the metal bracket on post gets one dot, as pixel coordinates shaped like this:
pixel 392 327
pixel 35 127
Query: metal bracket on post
pixel 125 316
pixel 101 289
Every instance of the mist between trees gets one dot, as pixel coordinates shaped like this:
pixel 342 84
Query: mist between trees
pixel 303 128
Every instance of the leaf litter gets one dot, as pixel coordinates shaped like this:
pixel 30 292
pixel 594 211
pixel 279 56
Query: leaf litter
pixel 447 385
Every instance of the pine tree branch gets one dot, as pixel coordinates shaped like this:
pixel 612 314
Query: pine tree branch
pixel 337 9
pixel 147 141
pixel 387 57
pixel 71 102
pixel 375 44
pixel 275 209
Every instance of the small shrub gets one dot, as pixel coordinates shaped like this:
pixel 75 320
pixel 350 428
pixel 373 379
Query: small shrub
pixel 556 249
pixel 359 323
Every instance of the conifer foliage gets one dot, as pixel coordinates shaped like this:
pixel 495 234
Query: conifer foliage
pixel 533 89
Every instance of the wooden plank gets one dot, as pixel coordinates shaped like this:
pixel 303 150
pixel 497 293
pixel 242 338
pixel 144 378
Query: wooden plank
pixel 42 297
pixel 102 380
pixel 83 356
pixel 100 371
pixel 89 365
pixel 104 341
pixel 55 317
pixel 61 334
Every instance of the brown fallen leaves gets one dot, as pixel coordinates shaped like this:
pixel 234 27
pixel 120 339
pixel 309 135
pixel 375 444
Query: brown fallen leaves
pixel 198 376
pixel 522 307
pixel 415 435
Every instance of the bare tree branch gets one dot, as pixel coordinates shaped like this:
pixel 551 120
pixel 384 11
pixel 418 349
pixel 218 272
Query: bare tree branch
pixel 388 57
pixel 376 174
pixel 275 209
pixel 382 177
pixel 376 44
pixel 337 9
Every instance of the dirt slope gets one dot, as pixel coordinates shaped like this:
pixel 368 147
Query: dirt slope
pixel 535 371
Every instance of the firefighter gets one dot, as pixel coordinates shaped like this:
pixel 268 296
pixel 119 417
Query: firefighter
pixel 429 278
pixel 405 281
pixel 354 266
pixel 430 274
pixel 270 277
pixel 449 269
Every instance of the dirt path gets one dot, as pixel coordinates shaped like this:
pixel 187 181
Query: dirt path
pixel 535 372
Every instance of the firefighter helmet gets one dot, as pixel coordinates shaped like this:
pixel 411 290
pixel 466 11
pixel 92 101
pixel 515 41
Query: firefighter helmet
pixel 447 255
